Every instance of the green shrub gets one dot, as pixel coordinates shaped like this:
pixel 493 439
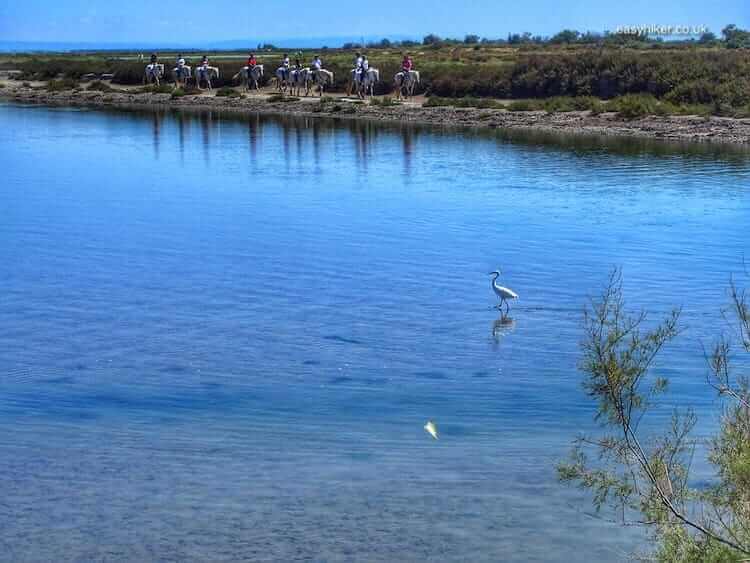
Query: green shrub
pixel 693 92
pixel 524 105
pixel 154 89
pixel 100 86
pixel 327 99
pixel 227 92
pixel 465 102
pixel 274 98
pixel 386 101
pixel 60 85
pixel 631 106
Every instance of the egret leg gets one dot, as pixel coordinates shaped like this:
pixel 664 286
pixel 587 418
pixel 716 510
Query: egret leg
pixel 507 307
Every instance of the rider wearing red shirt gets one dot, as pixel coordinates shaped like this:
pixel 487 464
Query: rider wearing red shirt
pixel 406 65
pixel 252 61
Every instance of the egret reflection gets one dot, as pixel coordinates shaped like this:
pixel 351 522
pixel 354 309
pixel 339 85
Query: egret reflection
pixel 502 327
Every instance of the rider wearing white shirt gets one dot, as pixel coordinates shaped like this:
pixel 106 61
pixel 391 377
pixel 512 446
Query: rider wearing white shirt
pixel 317 64
pixel 285 66
pixel 358 67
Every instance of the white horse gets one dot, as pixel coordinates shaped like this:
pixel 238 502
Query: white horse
pixel 181 75
pixel 283 78
pixel 205 73
pixel 320 78
pixel 297 80
pixel 405 83
pixel 153 73
pixel 250 76
pixel 366 84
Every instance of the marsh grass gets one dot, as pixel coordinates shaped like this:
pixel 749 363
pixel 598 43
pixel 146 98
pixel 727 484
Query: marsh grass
pixel 61 85
pixel 385 101
pixel 100 86
pixel 227 92
pixel 465 102
pixel 154 89
pixel 687 76
pixel 276 98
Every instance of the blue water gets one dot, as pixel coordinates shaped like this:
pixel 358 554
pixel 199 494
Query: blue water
pixel 221 337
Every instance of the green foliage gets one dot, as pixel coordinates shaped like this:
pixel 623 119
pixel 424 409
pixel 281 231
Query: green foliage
pixel 60 85
pixel 227 92
pixel 385 101
pixel 154 89
pixel 735 37
pixel 100 86
pixel 466 102
pixel 648 480
pixel 631 106
pixel 276 98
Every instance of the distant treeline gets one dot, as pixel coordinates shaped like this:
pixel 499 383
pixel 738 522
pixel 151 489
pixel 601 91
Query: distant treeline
pixel 731 37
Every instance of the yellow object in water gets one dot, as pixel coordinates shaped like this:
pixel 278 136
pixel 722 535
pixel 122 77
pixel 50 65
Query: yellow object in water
pixel 431 429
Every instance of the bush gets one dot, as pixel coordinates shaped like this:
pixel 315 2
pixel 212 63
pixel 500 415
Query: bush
pixel 386 101
pixel 100 86
pixel 227 92
pixel 525 105
pixel 631 106
pixel 693 92
pixel 154 89
pixel 465 102
pixel 60 85
pixel 274 98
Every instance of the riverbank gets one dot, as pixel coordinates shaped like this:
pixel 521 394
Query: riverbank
pixel 674 128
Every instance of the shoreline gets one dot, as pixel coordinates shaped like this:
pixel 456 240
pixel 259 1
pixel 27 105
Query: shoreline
pixel 715 130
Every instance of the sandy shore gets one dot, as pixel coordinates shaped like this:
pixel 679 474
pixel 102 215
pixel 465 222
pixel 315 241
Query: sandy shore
pixel 675 128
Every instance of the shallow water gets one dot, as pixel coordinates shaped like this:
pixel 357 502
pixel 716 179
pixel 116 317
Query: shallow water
pixel 222 336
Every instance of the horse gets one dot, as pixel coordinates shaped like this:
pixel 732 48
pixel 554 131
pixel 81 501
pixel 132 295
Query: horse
pixel 153 72
pixel 250 76
pixel 181 75
pixel 205 73
pixel 366 85
pixel 298 79
pixel 321 78
pixel 405 83
pixel 283 78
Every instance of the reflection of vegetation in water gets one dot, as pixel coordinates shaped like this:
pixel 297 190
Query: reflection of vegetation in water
pixel 647 480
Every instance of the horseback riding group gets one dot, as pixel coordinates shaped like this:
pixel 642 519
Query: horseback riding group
pixel 290 77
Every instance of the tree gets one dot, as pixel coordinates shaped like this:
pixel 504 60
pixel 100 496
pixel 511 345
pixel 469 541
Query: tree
pixel 471 39
pixel 565 36
pixel 431 39
pixel 707 37
pixel 735 37
pixel 647 481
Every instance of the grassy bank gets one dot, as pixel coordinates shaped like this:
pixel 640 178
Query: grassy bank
pixel 659 79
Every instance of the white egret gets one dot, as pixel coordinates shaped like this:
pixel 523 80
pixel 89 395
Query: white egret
pixel 431 429
pixel 503 293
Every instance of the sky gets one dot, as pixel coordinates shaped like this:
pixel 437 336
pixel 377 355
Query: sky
pixel 190 21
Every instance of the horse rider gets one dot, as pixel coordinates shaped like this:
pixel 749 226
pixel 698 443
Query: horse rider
pixel 296 69
pixel 252 62
pixel 180 64
pixel 317 64
pixel 365 66
pixel 204 61
pixel 154 58
pixel 358 60
pixel 406 65
pixel 285 66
